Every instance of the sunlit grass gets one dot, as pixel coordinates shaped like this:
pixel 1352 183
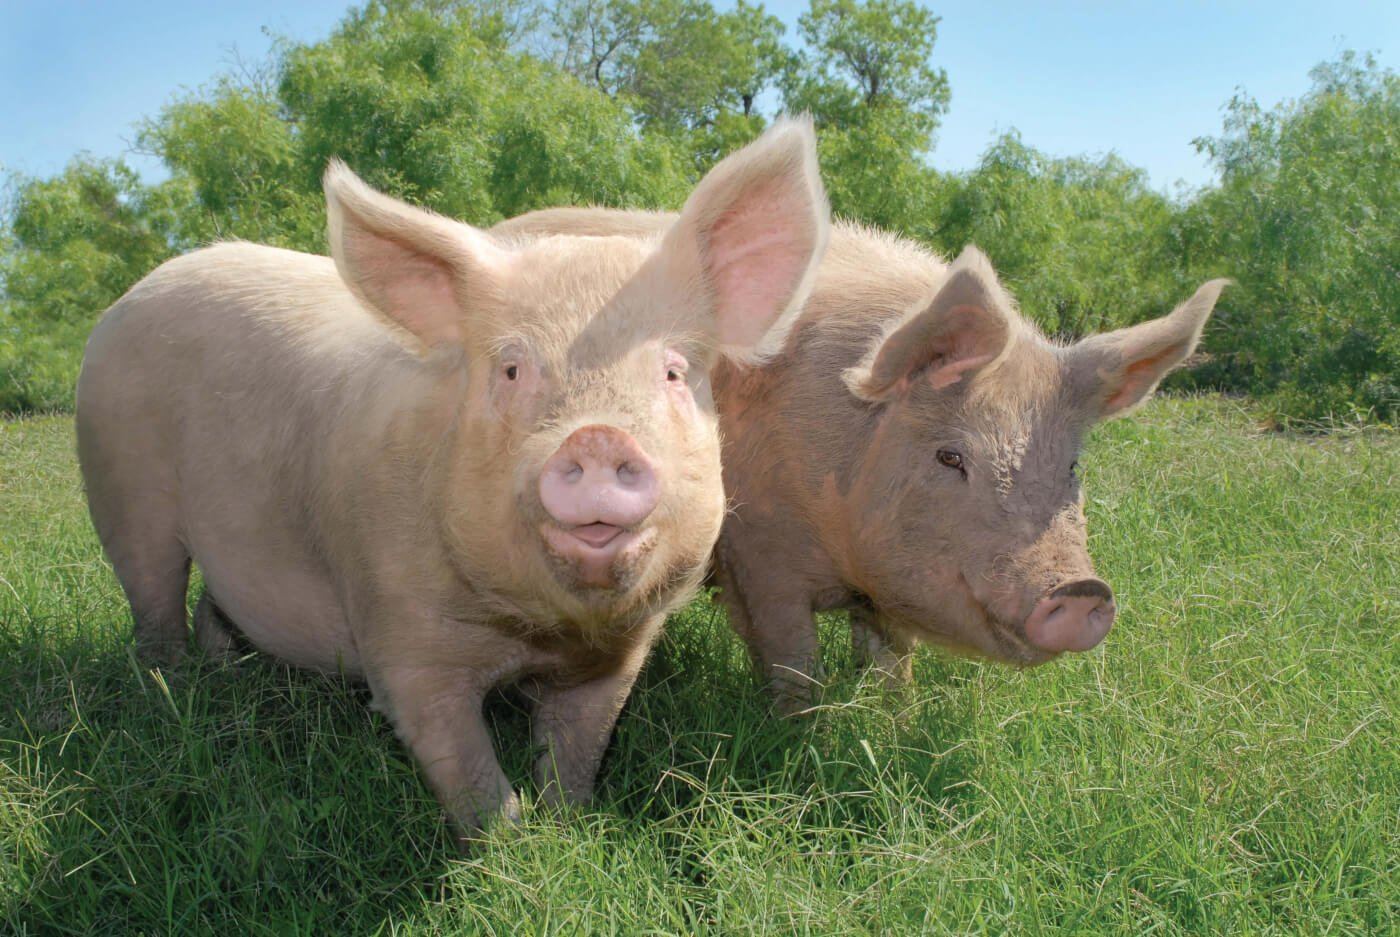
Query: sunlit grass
pixel 1227 763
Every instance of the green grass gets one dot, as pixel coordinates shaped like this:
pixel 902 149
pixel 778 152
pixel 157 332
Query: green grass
pixel 1227 763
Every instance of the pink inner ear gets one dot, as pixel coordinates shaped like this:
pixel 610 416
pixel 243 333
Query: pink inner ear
pixel 425 301
pixel 757 254
pixel 952 373
pixel 968 345
pixel 1136 380
pixel 414 289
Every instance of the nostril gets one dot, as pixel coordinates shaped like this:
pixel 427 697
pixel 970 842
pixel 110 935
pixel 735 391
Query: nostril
pixel 599 474
pixel 1076 616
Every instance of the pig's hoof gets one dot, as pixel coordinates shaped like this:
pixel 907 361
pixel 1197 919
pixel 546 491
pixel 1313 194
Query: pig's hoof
pixel 162 654
pixel 793 702
pixel 894 676
pixel 469 829
pixel 795 692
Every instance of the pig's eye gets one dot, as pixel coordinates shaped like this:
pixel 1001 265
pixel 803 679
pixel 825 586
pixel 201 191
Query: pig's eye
pixel 512 372
pixel 675 366
pixel 952 460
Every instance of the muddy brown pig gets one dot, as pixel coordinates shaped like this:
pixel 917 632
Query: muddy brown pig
pixel 910 456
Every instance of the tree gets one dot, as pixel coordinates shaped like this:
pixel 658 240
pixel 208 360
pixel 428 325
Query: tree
pixel 1304 219
pixel 867 78
pixel 681 62
pixel 685 71
pixel 76 242
pixel 1081 242
pixel 864 56
pixel 231 147
pixel 423 107
pixel 875 174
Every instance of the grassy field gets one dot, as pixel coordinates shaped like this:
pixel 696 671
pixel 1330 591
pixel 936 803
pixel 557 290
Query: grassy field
pixel 1227 763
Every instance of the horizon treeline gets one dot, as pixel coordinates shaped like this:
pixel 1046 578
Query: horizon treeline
pixel 483 109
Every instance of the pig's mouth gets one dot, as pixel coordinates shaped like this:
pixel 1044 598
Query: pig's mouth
pixel 1006 642
pixel 598 555
pixel 597 535
pixel 968 626
pixel 1014 649
pixel 997 641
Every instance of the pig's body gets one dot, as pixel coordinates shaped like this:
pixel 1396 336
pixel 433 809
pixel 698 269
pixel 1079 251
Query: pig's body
pixel 439 463
pixel 160 374
pixel 303 455
pixel 909 457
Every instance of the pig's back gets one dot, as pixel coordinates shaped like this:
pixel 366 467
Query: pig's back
pixel 237 314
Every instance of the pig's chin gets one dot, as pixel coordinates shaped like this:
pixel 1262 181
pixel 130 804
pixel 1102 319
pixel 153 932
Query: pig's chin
pixel 598 563
pixel 964 625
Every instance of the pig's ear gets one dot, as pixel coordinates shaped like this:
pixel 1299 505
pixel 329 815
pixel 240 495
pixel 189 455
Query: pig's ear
pixel 414 268
pixel 1121 369
pixel 749 239
pixel 965 327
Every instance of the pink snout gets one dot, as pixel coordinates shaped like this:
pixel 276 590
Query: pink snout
pixel 598 487
pixel 1074 617
pixel 599 476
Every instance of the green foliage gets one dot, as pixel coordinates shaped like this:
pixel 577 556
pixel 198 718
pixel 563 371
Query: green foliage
pixel 1081 243
pixel 686 72
pixel 424 107
pixel 867 80
pixel 679 63
pixel 75 243
pixel 1305 220
pixel 231 148
pixel 555 142
pixel 868 55
pixel 483 109
pixel 873 173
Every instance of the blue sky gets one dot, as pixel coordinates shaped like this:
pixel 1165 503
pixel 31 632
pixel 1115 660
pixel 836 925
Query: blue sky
pixel 1142 79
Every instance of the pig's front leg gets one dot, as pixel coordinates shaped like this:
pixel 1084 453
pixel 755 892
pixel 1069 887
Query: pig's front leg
pixel 777 626
pixel 437 714
pixel 873 645
pixel 782 639
pixel 572 723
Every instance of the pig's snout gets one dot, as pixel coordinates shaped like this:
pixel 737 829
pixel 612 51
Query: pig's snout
pixel 598 481
pixel 1072 617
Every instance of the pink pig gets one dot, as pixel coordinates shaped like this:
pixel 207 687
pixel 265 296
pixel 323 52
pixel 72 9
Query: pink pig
pixel 441 462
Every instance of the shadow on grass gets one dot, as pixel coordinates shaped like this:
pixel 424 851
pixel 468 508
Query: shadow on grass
pixel 207 800
pixel 258 798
